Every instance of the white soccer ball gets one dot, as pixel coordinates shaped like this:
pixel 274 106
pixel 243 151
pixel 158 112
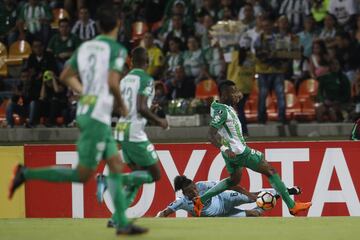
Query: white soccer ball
pixel 266 200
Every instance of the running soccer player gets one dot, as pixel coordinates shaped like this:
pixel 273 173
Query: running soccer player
pixel 98 63
pixel 222 205
pixel 137 89
pixel 225 133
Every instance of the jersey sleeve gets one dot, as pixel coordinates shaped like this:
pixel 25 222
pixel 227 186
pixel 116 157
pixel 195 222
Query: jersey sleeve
pixel 73 60
pixel 205 185
pixel 146 85
pixel 118 59
pixel 177 204
pixel 218 117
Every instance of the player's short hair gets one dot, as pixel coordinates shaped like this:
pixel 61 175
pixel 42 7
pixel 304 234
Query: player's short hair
pixel 139 56
pixel 106 18
pixel 223 86
pixel 181 182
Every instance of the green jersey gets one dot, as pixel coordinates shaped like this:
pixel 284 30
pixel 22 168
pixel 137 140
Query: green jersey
pixel 225 119
pixel 93 60
pixel 131 128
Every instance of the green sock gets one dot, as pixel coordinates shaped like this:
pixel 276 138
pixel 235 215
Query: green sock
pixel 131 194
pixel 117 195
pixel 52 174
pixel 279 186
pixel 137 178
pixel 218 188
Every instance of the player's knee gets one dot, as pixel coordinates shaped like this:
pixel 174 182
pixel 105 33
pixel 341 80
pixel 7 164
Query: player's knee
pixel 84 176
pixel 234 180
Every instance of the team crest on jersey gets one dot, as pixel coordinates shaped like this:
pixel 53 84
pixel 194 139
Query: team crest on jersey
pixel 150 148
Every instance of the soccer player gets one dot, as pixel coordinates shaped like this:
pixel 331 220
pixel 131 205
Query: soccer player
pixel 98 63
pixel 222 205
pixel 137 89
pixel 225 133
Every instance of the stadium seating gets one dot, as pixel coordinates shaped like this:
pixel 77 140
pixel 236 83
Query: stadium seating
pixel 293 106
pixel 3 106
pixel 308 89
pixel 206 89
pixel 251 110
pixel 18 51
pixel 3 58
pixel 58 13
pixel 307 111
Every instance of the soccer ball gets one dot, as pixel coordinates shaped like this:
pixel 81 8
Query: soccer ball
pixel 266 200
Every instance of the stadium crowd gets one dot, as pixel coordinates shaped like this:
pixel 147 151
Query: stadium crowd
pixel 182 55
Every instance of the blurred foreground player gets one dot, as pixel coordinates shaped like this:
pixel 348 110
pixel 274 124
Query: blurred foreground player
pixel 225 133
pixel 99 63
pixel 138 91
pixel 224 204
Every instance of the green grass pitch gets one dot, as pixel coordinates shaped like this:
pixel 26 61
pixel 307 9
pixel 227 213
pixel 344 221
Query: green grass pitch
pixel 325 228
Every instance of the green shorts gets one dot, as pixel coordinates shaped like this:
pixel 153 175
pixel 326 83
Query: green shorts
pixel 139 153
pixel 95 142
pixel 250 158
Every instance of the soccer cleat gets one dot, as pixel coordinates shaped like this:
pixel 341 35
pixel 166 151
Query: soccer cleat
pixel 299 206
pixel 111 223
pixel 17 179
pixel 295 190
pixel 101 186
pixel 198 206
pixel 131 230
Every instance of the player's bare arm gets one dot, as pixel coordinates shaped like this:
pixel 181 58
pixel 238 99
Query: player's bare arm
pixel 215 139
pixel 69 78
pixel 113 81
pixel 143 109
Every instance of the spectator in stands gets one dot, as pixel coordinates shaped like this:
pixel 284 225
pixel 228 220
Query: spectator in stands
pixel 241 70
pixel 227 14
pixel 156 57
pixel 329 31
pixel 307 36
pixel 254 33
pixel 174 57
pixel 85 27
pixel 355 33
pixel 208 8
pixel 180 86
pixel 355 114
pixel 63 44
pixel 19 103
pixel 343 10
pixel 319 59
pixel 203 29
pixel 194 62
pixel 39 61
pixel 224 6
pixel 259 7
pixel 296 11
pixel 213 56
pixel 182 9
pixel 160 99
pixel 348 54
pixel 333 94
pixel 319 9
pixel 178 30
pixel 249 19
pixel 35 17
pixel 271 72
pixel 53 99
pixel 8 28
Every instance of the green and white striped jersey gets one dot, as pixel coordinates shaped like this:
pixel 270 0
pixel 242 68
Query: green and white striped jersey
pixel 93 60
pixel 32 15
pixel 225 119
pixel 131 128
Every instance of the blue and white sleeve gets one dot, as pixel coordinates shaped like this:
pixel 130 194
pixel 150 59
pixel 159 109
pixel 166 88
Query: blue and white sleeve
pixel 177 204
